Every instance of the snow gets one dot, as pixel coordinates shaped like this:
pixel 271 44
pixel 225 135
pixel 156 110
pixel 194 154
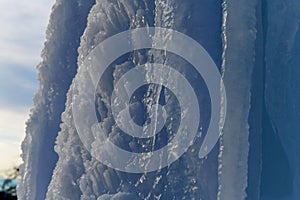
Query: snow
pixel 77 174
pixel 60 163
pixel 56 72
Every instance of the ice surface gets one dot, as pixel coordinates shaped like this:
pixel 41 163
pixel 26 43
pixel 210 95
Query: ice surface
pixel 255 44
pixel 77 174
pixel 282 87
pixel 56 71
pixel 239 34
pixel 119 196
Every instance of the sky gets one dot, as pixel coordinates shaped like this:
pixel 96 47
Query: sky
pixel 22 35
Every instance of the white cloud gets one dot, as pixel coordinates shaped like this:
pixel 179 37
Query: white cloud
pixel 23 25
pixel 17 85
pixel 12 129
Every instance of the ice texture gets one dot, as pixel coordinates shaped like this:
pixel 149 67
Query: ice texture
pixel 239 35
pixel 77 174
pixel 282 84
pixel 255 45
pixel 56 71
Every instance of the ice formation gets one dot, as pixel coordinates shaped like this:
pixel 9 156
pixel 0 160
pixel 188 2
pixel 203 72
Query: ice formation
pixel 256 46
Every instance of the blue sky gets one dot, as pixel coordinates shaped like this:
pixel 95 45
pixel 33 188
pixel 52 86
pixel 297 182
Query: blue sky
pixel 23 25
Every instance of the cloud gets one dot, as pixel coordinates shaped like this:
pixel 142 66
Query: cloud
pixel 17 87
pixel 12 128
pixel 23 25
